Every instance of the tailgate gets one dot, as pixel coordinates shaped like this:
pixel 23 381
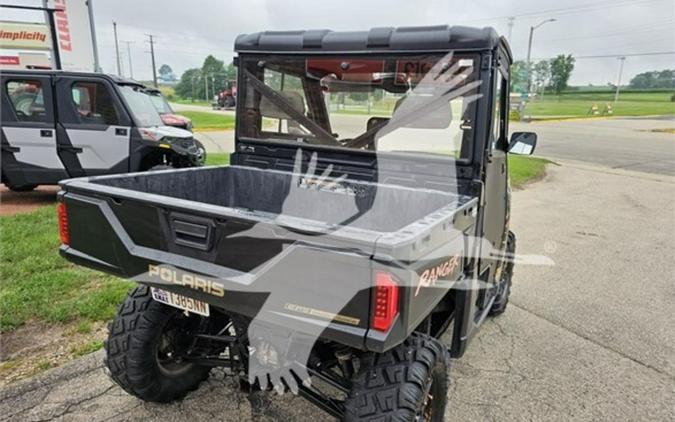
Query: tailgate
pixel 239 261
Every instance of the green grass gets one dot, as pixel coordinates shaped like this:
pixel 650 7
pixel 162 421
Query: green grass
pixel 578 104
pixel 37 284
pixel 209 121
pixel 217 159
pixel 87 348
pixel 188 102
pixel 524 169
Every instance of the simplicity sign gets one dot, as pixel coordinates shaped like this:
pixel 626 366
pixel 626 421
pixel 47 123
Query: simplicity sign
pixel 24 36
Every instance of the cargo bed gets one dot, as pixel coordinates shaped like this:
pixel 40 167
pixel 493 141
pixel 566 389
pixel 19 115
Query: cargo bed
pixel 256 229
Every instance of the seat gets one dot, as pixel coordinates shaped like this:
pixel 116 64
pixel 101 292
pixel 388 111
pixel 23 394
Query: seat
pixel 270 110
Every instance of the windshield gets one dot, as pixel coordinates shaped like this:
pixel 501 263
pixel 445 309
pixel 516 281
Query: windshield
pixel 423 103
pixel 141 105
pixel 160 103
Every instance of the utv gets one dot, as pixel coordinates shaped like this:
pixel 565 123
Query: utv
pixel 58 125
pixel 365 214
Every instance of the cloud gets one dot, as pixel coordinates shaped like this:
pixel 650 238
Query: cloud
pixel 188 31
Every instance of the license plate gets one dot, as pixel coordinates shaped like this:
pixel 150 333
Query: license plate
pixel 181 302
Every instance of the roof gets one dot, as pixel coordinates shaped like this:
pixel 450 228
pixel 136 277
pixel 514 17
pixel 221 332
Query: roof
pixel 114 78
pixel 428 38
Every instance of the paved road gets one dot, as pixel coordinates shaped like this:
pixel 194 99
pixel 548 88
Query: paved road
pixel 627 143
pixel 590 338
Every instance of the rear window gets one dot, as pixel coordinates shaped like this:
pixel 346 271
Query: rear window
pixel 27 99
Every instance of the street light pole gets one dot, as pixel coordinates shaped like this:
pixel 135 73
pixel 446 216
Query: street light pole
pixel 131 68
pixel 529 55
pixel 117 50
pixel 511 22
pixel 618 83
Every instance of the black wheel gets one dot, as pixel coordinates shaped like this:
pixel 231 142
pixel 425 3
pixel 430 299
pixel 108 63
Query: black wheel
pixel 407 383
pixel 500 304
pixel 201 153
pixel 22 188
pixel 144 346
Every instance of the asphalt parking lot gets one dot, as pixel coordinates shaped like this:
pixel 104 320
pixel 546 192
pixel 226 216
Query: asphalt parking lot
pixel 631 143
pixel 590 338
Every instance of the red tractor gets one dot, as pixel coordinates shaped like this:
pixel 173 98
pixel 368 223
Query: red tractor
pixel 226 98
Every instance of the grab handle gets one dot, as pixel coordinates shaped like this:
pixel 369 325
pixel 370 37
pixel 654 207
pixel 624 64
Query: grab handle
pixel 192 232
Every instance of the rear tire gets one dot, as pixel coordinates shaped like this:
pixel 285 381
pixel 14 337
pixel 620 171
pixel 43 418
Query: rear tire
pixel 502 301
pixel 137 349
pixel 407 383
pixel 22 188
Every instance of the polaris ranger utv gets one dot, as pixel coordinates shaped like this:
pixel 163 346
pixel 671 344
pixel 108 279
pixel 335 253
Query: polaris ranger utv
pixel 58 125
pixel 365 214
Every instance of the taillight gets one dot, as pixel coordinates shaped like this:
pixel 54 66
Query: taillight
pixel 62 215
pixel 386 301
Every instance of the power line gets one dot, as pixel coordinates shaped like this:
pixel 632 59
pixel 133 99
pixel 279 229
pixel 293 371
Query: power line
pixel 612 56
pixel 605 56
pixel 630 30
pixel 569 10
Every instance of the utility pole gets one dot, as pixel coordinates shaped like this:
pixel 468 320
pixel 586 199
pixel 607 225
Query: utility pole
pixel 511 23
pixel 529 55
pixel 131 68
pixel 618 83
pixel 206 84
pixel 94 42
pixel 152 53
pixel 117 50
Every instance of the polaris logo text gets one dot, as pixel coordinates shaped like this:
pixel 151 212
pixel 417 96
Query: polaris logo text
pixel 431 276
pixel 169 275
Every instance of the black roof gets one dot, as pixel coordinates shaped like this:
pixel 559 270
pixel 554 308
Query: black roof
pixel 114 78
pixel 425 38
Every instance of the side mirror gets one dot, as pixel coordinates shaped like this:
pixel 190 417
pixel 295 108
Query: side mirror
pixel 523 143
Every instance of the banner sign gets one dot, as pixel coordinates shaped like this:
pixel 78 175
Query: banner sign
pixel 24 36
pixel 10 61
pixel 25 60
pixel 73 29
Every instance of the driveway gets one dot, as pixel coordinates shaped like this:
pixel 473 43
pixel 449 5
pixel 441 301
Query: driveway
pixel 627 143
pixel 632 143
pixel 590 338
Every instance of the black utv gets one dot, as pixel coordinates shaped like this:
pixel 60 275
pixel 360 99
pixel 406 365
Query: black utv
pixel 58 125
pixel 364 215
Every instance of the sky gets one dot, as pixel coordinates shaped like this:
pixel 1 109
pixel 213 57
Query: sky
pixel 187 31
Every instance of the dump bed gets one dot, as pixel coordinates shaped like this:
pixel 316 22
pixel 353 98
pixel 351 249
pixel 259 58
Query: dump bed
pixel 296 247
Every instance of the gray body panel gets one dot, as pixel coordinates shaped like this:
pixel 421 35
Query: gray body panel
pixel 101 149
pixel 35 149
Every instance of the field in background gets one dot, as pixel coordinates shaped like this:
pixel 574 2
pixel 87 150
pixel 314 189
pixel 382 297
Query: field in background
pixel 579 104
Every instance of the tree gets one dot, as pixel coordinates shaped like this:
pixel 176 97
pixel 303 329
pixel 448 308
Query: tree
pixel 193 81
pixel 166 73
pixel 189 81
pixel 541 75
pixel 663 79
pixel 519 77
pixel 561 70
pixel 214 70
pixel 231 72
